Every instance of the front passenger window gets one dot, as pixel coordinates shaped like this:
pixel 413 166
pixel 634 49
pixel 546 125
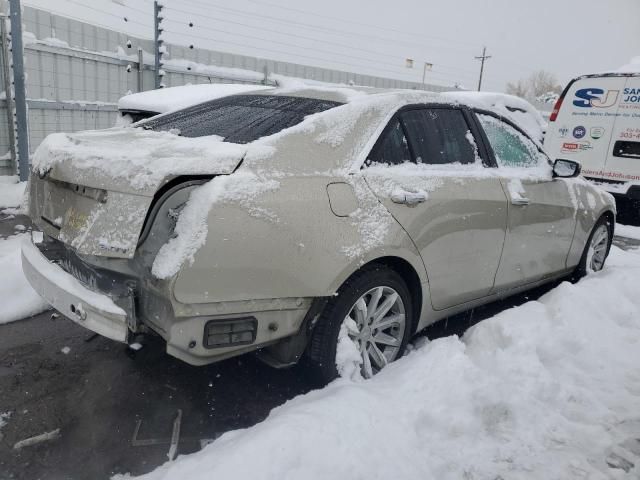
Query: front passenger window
pixel 511 148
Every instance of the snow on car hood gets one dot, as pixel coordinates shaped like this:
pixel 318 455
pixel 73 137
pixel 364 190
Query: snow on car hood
pixel 133 160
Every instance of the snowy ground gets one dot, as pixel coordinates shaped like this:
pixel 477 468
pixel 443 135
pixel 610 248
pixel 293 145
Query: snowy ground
pixel 11 191
pixel 547 390
pixel 17 298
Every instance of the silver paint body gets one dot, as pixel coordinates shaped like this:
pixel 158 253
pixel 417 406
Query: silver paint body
pixel 468 244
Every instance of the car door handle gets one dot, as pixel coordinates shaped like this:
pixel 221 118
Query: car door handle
pixel 520 201
pixel 408 198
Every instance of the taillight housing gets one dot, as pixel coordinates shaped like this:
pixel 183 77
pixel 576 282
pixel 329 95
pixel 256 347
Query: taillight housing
pixel 556 109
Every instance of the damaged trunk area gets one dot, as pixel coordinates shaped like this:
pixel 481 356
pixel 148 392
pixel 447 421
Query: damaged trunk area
pixel 108 240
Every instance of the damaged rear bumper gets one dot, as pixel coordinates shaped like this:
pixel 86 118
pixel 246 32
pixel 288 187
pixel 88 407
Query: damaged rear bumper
pixel 94 311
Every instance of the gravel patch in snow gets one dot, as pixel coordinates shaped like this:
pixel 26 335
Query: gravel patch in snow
pixel 545 390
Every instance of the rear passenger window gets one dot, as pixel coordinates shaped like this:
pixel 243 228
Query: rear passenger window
pixel 440 136
pixel 393 149
pixel 510 147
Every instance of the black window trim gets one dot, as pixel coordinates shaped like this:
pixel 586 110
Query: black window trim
pixel 489 148
pixel 486 154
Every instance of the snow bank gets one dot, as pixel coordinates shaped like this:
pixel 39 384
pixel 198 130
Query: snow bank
pixel 11 191
pixel 17 298
pixel 174 98
pixel 541 391
pixel 628 231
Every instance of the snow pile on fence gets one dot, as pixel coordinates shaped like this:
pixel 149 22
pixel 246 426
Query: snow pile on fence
pixel 18 299
pixel 549 389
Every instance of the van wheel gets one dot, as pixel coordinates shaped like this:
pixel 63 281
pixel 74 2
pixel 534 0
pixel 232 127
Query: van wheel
pixel 373 310
pixel 596 249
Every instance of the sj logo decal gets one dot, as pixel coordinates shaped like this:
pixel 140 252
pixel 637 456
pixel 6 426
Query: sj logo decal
pixel 596 97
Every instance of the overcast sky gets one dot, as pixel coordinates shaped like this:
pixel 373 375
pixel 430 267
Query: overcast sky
pixel 564 37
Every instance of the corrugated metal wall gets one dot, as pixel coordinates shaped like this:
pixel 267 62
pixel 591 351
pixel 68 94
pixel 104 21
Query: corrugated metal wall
pixel 76 72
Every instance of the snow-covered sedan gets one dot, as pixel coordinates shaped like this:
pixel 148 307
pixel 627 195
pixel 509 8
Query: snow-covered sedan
pixel 334 222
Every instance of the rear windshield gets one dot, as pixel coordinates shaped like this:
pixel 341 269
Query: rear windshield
pixel 240 118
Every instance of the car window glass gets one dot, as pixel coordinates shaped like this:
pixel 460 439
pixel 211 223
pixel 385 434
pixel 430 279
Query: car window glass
pixel 511 148
pixel 440 136
pixel 239 118
pixel 393 149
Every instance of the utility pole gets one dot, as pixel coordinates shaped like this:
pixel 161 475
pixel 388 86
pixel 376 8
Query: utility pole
pixel 482 59
pixel 160 49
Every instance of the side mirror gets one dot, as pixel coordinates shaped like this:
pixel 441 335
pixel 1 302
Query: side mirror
pixel 566 168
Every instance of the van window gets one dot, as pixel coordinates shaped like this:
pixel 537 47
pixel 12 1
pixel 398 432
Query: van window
pixel 240 118
pixel 393 149
pixel 510 147
pixel 626 149
pixel 439 136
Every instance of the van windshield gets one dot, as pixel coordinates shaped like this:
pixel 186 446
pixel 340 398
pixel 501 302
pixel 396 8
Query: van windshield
pixel 239 118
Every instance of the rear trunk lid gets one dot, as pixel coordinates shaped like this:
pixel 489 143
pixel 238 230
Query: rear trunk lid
pixel 92 190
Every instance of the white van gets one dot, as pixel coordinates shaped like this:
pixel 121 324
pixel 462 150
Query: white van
pixel 596 121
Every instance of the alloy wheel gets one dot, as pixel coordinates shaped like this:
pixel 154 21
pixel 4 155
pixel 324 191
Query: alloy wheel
pixel 597 253
pixel 376 324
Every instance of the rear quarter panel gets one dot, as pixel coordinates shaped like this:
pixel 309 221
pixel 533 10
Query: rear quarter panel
pixel 291 245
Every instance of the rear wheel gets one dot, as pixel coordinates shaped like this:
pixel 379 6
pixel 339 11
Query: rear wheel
pixel 596 250
pixel 373 309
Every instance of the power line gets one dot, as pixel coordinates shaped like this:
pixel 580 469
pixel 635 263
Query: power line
pixel 330 60
pixel 104 12
pixel 287 44
pixel 84 20
pixel 290 23
pixel 377 27
pixel 294 35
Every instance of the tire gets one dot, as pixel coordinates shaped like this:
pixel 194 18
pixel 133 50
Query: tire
pixel 375 279
pixel 588 263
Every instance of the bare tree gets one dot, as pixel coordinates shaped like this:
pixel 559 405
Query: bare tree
pixel 537 84
pixel 542 82
pixel 519 89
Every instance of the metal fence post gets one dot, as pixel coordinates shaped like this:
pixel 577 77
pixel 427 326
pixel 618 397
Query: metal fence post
pixel 19 89
pixel 6 73
pixel 158 43
pixel 140 70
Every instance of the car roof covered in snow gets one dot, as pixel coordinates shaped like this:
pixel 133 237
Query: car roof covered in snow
pixel 516 109
pixel 168 99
